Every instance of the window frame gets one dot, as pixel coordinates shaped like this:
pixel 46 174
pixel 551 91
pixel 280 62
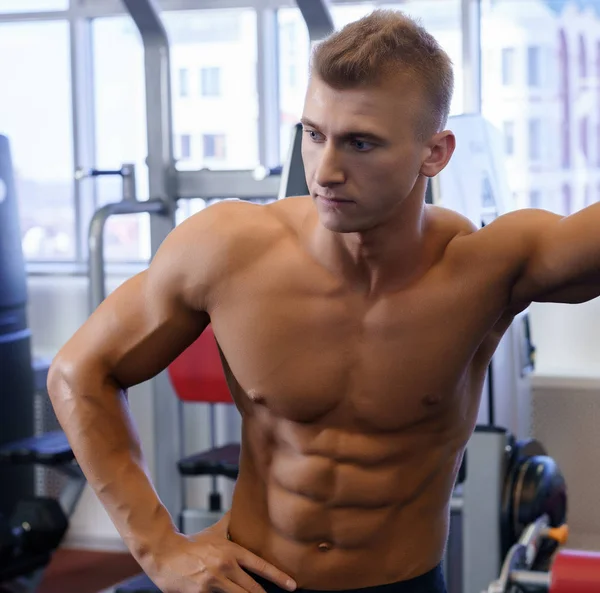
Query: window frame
pixel 80 15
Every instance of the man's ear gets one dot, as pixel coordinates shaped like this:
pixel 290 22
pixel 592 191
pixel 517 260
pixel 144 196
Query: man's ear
pixel 439 150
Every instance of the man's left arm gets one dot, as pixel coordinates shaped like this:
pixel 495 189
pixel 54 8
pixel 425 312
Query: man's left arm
pixel 561 260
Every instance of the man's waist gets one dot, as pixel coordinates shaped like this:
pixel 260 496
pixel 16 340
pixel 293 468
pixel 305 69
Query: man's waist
pixel 325 565
pixel 431 581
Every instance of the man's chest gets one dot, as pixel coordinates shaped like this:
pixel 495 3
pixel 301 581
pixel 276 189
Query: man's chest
pixel 305 350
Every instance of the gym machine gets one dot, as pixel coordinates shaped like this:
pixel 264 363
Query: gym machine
pixel 508 484
pixel 16 376
pixel 31 527
pixel 37 525
pixel 569 571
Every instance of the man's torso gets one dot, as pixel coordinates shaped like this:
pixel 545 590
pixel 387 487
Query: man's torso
pixel 356 408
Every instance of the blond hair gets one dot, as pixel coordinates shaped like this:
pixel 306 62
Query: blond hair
pixel 384 43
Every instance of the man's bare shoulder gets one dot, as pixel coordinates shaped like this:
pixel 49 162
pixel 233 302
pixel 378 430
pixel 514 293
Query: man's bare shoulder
pixel 513 234
pixel 504 246
pixel 229 227
pixel 216 243
pixel 448 227
pixel 508 231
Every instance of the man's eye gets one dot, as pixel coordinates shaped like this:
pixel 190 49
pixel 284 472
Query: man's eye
pixel 313 135
pixel 362 145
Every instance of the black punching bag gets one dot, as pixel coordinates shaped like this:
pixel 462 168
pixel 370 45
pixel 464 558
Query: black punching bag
pixel 16 374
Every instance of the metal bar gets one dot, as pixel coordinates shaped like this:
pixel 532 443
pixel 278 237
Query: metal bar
pixel 293 176
pixel 457 504
pixel 10 17
pixel 70 495
pixel 96 268
pixel 211 4
pixel 167 409
pixel 471 55
pixel 225 184
pixel 268 87
pixel 103 8
pixel 528 578
pixel 318 19
pixel 482 496
pixel 84 132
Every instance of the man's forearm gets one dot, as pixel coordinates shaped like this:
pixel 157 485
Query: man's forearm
pixel 95 416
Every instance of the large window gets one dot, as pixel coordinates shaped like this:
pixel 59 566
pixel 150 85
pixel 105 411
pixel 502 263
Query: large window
pixel 218 48
pixel 557 123
pixel 35 114
pixel 121 129
pixel 216 79
pixel 213 51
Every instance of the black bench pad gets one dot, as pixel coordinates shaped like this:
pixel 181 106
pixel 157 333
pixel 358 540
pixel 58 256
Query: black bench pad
pixel 20 567
pixel 51 448
pixel 222 461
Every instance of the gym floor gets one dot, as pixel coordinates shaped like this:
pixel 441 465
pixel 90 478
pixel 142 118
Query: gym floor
pixel 82 571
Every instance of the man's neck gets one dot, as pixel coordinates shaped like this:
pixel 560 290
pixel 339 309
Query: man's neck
pixel 383 258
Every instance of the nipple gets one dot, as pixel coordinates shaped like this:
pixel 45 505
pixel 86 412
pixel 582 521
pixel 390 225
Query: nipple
pixel 256 397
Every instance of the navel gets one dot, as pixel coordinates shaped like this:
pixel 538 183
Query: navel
pixel 325 546
pixel 432 399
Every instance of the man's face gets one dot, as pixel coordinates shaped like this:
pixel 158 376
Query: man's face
pixel 361 151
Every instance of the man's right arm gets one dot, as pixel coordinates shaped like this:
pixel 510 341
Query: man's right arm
pixel 132 336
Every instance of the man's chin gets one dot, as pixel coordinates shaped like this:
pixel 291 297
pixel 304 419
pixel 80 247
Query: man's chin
pixel 337 224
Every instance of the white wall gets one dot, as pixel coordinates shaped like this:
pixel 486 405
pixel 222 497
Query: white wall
pixel 566 406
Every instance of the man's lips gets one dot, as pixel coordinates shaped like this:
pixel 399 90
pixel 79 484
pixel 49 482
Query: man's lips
pixel 333 199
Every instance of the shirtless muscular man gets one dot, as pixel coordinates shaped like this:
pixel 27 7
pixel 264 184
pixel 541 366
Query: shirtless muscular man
pixel 356 326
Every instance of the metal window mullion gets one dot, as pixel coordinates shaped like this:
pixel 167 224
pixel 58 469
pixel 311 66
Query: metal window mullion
pixel 268 87
pixel 169 5
pixel 19 17
pixel 83 110
pixel 471 55
pixel 101 9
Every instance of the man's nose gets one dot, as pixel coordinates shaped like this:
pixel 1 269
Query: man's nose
pixel 329 168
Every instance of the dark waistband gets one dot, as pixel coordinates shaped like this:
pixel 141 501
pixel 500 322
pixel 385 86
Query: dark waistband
pixel 430 582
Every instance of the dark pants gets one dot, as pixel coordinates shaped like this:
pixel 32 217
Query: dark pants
pixel 430 582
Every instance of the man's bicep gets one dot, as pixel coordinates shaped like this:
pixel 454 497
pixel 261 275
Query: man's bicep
pixel 147 321
pixel 562 259
pixel 134 334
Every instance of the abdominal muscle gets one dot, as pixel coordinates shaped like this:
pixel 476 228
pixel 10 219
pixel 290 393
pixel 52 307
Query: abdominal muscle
pixel 342 510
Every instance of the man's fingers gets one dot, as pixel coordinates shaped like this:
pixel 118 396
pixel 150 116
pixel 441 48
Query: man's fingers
pixel 228 586
pixel 246 582
pixel 262 568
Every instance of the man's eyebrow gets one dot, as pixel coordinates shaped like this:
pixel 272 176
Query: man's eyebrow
pixel 346 135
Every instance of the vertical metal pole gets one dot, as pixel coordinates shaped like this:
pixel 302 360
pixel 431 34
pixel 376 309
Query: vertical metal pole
pixel 318 18
pixel 84 133
pixel 482 504
pixel 268 87
pixel 471 54
pixel 161 178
